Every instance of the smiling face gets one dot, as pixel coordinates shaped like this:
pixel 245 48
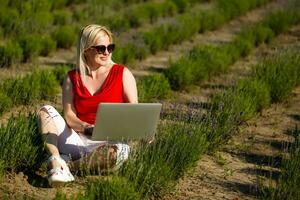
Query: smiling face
pixel 93 57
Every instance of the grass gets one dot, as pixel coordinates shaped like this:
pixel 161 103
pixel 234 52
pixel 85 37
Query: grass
pixel 179 28
pixel 251 95
pixel 288 183
pixel 153 87
pixel 21 143
pixel 203 62
pixel 24 23
pixel 28 90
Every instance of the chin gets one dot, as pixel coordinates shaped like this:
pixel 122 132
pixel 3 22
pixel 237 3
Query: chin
pixel 103 62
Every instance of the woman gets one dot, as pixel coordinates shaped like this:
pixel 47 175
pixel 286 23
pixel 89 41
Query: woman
pixel 96 79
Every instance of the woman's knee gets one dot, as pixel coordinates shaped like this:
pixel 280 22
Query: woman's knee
pixel 45 121
pixel 43 112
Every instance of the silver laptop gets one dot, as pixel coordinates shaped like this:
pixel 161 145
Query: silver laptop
pixel 126 121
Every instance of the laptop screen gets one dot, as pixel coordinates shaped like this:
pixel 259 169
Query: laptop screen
pixel 126 121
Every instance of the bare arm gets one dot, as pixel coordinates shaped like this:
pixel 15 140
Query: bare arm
pixel 69 110
pixel 129 87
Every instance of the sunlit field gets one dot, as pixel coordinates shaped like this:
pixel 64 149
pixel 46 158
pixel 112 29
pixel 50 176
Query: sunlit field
pixel 38 47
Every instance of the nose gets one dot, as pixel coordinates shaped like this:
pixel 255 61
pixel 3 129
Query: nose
pixel 106 52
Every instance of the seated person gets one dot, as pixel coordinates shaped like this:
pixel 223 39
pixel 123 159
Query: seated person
pixel 96 79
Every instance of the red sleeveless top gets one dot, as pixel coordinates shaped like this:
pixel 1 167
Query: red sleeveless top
pixel 111 91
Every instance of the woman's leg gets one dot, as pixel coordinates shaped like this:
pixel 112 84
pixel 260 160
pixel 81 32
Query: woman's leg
pixel 102 158
pixel 60 139
pixel 50 132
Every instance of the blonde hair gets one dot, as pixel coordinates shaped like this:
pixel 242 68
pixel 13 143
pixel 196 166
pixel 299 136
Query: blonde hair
pixel 87 37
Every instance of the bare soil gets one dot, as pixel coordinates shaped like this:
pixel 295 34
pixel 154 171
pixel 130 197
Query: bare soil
pixel 232 172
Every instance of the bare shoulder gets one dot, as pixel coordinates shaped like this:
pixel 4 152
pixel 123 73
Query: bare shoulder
pixel 127 74
pixel 129 84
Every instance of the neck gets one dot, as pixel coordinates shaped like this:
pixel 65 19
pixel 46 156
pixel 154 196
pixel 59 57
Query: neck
pixel 94 71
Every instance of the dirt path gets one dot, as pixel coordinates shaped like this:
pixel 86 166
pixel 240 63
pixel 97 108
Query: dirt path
pixel 233 172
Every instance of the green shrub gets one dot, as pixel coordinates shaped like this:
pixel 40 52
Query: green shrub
pixel 181 5
pixel 1 32
pixel 174 30
pixel 232 107
pixel 288 183
pixel 60 73
pixel 76 1
pixel 280 21
pixel 280 73
pixel 180 73
pixel 62 17
pixel 65 36
pixel 258 90
pixel 161 37
pixel 152 167
pixel 2 169
pixel 31 45
pixel 262 35
pixel 10 54
pixel 154 40
pixel 253 94
pixel 233 8
pixel 48 45
pixel 128 52
pixel 242 103
pixel 210 20
pixel 153 11
pixel 8 20
pixel 48 84
pixel 5 103
pixel 206 61
pixel 137 16
pixel 188 26
pixel 152 88
pixel 110 188
pixel 117 24
pixel 39 22
pixel 183 143
pixel 169 8
pixel 21 143
pixel 141 49
pixel 81 17
pixel 148 171
pixel 58 4
pixel 36 86
pixel 232 51
pixel 201 63
pixel 209 60
pixel 243 45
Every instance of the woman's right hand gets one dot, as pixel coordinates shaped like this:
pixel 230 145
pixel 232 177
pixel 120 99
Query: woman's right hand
pixel 87 128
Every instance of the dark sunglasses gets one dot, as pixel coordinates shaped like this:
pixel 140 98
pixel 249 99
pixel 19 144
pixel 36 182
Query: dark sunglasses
pixel 102 48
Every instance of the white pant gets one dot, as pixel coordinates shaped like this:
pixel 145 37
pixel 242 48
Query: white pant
pixel 75 145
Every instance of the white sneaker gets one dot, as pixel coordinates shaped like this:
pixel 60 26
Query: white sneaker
pixel 122 154
pixel 60 175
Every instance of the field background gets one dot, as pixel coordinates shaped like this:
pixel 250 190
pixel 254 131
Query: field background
pixel 226 71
